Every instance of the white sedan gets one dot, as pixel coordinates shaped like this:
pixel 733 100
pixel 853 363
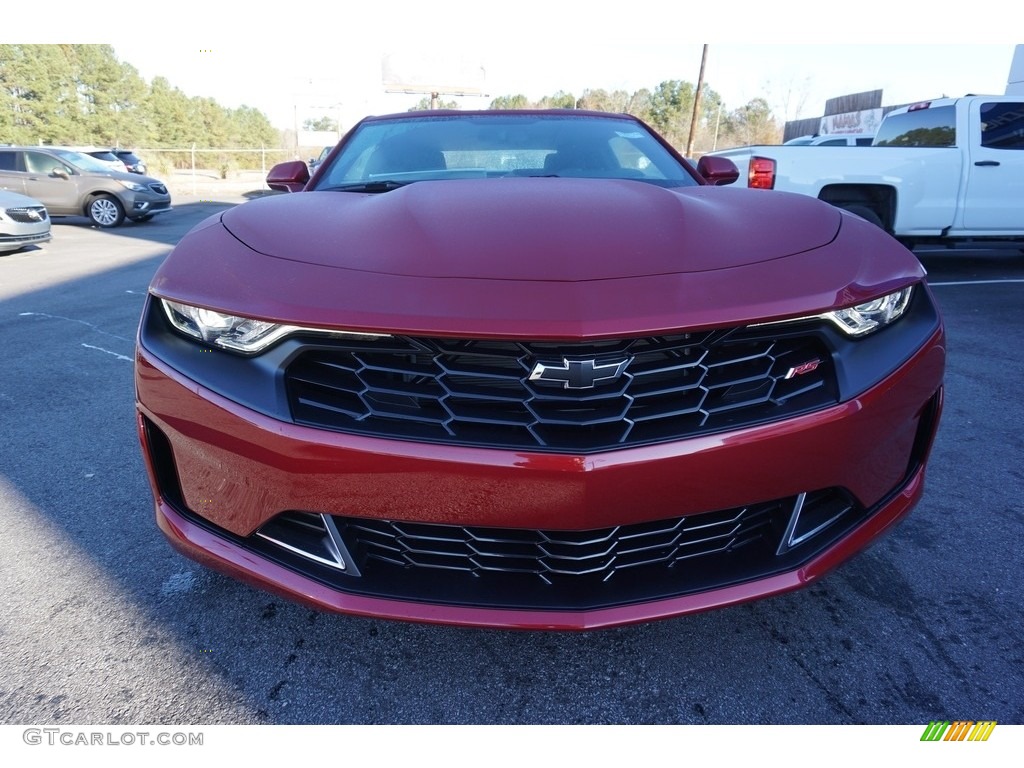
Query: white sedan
pixel 23 221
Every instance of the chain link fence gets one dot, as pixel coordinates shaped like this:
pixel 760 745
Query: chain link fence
pixel 198 168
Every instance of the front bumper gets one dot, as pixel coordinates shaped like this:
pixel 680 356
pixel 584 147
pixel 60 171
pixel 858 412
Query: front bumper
pixel 144 204
pixel 220 472
pixel 147 208
pixel 13 240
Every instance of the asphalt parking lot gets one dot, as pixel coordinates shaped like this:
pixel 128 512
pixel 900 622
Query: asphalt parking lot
pixel 103 623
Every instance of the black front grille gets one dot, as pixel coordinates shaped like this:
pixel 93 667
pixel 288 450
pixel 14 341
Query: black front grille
pixel 553 555
pixel 519 568
pixel 575 397
pixel 28 214
pixel 160 189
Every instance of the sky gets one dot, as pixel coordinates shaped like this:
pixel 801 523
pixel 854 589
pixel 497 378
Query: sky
pixel 796 79
pixel 318 57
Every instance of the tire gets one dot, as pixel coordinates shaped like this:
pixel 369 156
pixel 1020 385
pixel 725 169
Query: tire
pixel 865 213
pixel 105 211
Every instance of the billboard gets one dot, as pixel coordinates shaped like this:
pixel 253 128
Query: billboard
pixel 1015 82
pixel 863 121
pixel 442 73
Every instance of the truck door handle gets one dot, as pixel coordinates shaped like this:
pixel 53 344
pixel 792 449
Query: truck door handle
pixel 987 162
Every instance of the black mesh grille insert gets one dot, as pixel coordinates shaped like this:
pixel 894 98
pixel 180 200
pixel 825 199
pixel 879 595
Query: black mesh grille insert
pixel 545 569
pixel 560 396
pixel 552 555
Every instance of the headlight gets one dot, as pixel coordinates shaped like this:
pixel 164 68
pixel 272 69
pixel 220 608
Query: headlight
pixel 238 334
pixel 862 319
pixel 132 185
pixel 241 334
pixel 870 316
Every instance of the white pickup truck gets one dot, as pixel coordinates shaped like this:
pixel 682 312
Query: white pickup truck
pixel 937 171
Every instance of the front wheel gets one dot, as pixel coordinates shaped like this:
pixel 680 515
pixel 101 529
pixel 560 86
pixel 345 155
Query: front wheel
pixel 105 211
pixel 865 213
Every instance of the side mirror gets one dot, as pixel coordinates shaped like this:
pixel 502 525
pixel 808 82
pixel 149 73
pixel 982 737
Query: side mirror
pixel 59 173
pixel 717 171
pixel 289 177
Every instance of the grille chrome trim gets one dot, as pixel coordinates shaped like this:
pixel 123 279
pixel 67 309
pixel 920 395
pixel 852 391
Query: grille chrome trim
pixel 801 528
pixel 309 531
pixel 29 214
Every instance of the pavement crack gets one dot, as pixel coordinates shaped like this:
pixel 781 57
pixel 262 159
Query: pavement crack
pixel 92 326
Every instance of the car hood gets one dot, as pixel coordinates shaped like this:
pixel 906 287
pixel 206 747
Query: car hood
pixel 10 199
pixel 550 229
pixel 542 259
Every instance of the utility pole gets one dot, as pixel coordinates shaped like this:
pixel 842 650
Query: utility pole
pixel 696 102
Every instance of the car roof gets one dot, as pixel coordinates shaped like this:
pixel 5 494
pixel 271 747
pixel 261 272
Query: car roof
pixel 944 101
pixel 86 149
pixel 501 112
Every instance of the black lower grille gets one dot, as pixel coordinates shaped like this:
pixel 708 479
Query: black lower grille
pixel 554 555
pixel 570 570
pixel 575 397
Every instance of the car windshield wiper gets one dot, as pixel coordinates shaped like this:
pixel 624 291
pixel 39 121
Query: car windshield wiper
pixel 381 185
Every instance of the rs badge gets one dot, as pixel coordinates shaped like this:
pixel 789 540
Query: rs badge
pixel 800 370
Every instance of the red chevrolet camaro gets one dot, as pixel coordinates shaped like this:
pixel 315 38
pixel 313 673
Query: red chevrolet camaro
pixel 535 370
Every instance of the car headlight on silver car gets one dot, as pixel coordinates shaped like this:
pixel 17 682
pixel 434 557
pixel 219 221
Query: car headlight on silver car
pixel 245 335
pixel 135 187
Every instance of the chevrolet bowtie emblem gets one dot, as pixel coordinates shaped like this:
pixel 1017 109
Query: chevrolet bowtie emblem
pixel 578 374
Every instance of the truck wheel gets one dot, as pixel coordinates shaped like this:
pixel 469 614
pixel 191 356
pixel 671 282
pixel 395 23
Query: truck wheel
pixel 865 213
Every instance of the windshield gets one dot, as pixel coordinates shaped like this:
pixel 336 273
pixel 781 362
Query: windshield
pixel 422 148
pixel 82 162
